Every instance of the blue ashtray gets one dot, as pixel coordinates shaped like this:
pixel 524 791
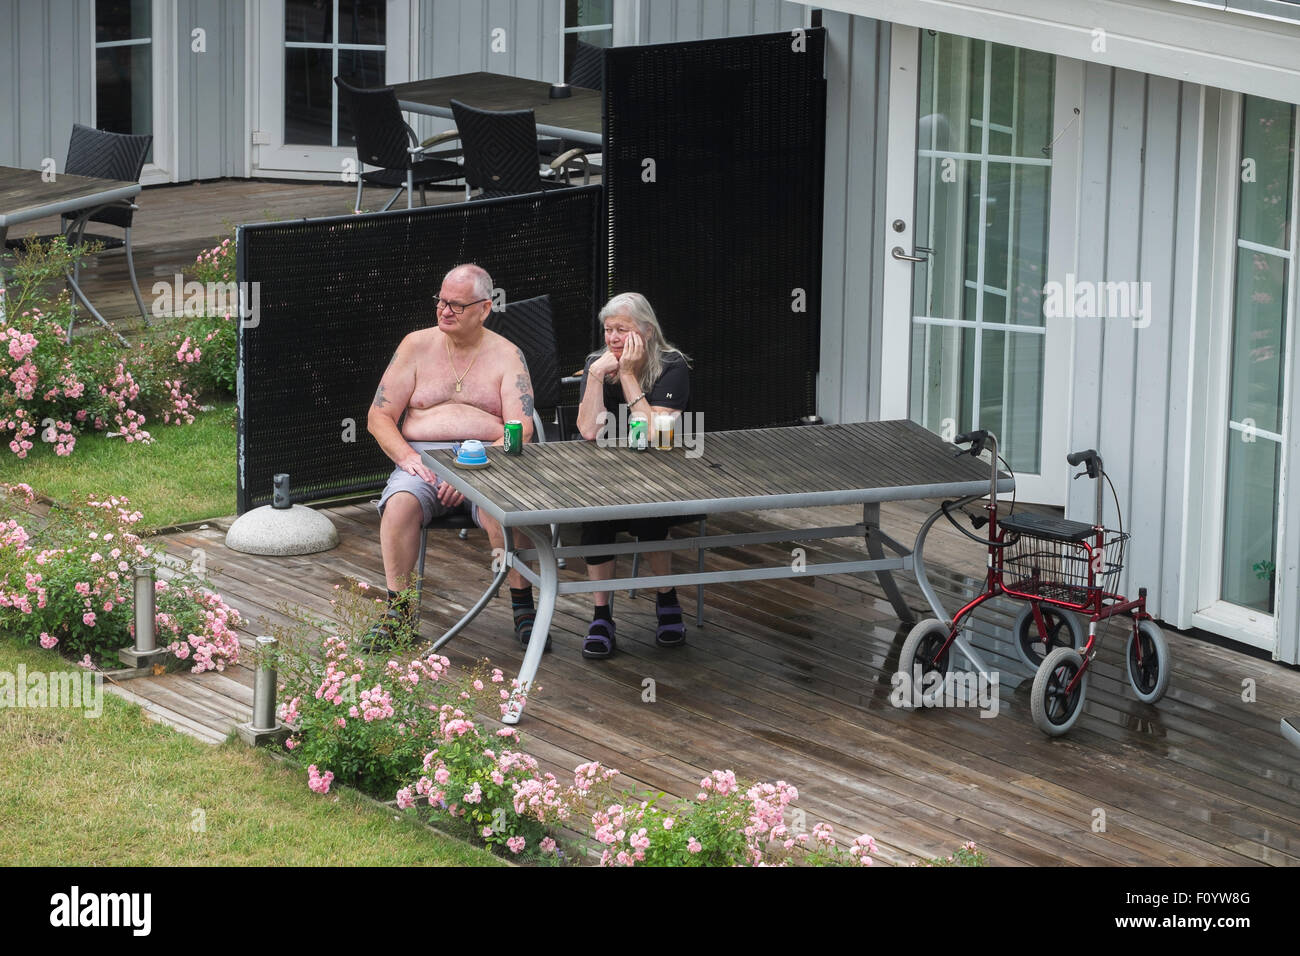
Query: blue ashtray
pixel 471 454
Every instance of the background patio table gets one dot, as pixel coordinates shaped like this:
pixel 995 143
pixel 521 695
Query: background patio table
pixel 25 196
pixel 797 467
pixel 576 117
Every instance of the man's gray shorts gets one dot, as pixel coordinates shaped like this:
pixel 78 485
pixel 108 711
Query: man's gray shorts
pixel 425 493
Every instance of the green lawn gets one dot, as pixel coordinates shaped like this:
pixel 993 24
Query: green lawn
pixel 187 474
pixel 122 790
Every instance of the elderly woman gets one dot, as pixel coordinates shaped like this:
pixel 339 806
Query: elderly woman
pixel 639 369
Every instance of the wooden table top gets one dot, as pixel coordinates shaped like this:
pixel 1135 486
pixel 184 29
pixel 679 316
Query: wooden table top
pixel 25 196
pixel 577 114
pixel 754 469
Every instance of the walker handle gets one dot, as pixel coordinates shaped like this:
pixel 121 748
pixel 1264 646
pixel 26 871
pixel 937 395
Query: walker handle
pixel 976 438
pixel 1090 459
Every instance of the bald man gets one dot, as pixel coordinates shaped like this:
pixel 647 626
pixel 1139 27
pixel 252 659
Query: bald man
pixel 452 382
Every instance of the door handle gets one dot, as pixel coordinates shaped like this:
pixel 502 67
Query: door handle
pixel 898 253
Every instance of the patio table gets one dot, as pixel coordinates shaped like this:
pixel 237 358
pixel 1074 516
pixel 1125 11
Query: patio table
pixel 25 196
pixel 753 470
pixel 576 117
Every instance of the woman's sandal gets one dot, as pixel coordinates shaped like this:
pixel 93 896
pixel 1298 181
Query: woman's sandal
pixel 524 630
pixel 670 634
pixel 599 642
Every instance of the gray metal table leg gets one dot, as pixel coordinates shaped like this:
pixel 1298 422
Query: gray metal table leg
pixel 547 593
pixel 871 521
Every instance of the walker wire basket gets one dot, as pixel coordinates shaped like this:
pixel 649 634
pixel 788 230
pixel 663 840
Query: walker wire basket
pixel 1057 560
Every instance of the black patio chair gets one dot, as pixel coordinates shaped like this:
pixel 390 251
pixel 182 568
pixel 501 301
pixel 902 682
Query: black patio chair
pixel 386 140
pixel 527 324
pixel 103 155
pixel 588 69
pixel 501 154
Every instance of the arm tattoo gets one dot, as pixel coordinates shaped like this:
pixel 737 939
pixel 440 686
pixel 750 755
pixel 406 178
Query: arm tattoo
pixel 525 393
pixel 380 401
pixel 522 361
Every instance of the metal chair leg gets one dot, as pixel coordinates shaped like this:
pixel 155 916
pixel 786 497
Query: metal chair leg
pixel 135 285
pixel 419 577
pixel 636 563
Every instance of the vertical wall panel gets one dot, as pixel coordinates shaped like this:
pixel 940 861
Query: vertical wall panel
pixel 857 70
pixel 46 70
pixel 669 21
pixel 210 90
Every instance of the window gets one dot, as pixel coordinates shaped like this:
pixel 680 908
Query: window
pixel 124 66
pixel 1261 290
pixel 591 21
pixel 324 39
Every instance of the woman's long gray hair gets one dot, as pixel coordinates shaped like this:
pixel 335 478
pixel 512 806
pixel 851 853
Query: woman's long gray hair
pixel 635 307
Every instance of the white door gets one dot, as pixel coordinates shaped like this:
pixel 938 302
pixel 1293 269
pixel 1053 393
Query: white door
pixel 1253 342
pixel 982 158
pixel 302 45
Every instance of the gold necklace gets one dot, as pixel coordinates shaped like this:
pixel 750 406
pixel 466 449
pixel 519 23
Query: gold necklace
pixel 461 377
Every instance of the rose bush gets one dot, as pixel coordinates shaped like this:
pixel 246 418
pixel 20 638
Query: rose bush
pixel 67 581
pixel 52 390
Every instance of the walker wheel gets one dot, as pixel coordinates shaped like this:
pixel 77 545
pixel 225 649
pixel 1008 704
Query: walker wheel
pixel 1053 708
pixel 1147 655
pixel 1064 629
pixel 919 657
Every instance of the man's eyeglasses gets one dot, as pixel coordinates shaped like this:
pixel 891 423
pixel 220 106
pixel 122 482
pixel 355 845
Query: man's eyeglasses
pixel 456 307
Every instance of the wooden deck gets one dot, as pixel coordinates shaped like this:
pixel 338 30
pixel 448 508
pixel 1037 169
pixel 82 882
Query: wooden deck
pixel 791 680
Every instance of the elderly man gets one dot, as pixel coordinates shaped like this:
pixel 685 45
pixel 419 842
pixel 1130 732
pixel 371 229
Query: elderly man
pixel 448 383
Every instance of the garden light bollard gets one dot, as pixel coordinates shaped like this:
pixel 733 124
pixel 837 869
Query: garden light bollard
pixel 145 638
pixel 264 687
pixel 145 652
pixel 263 728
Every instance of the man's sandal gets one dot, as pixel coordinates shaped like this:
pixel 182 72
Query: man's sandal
pixel 599 642
pixel 383 634
pixel 671 633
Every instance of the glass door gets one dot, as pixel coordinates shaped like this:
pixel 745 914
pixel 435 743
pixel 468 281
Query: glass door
pixel 979 169
pixel 1241 591
pixel 304 45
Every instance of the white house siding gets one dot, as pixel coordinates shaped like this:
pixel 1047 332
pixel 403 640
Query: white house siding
pixel 671 21
pixel 1138 186
pixel 46 73
pixel 853 227
pixel 456 37
pixel 211 127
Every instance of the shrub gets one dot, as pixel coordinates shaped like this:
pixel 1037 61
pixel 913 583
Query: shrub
pixel 52 390
pixel 67 581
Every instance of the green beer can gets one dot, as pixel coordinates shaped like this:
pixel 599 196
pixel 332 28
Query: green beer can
pixel 638 433
pixel 514 438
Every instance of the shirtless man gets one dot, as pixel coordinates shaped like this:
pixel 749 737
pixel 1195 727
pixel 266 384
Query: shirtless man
pixel 452 382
